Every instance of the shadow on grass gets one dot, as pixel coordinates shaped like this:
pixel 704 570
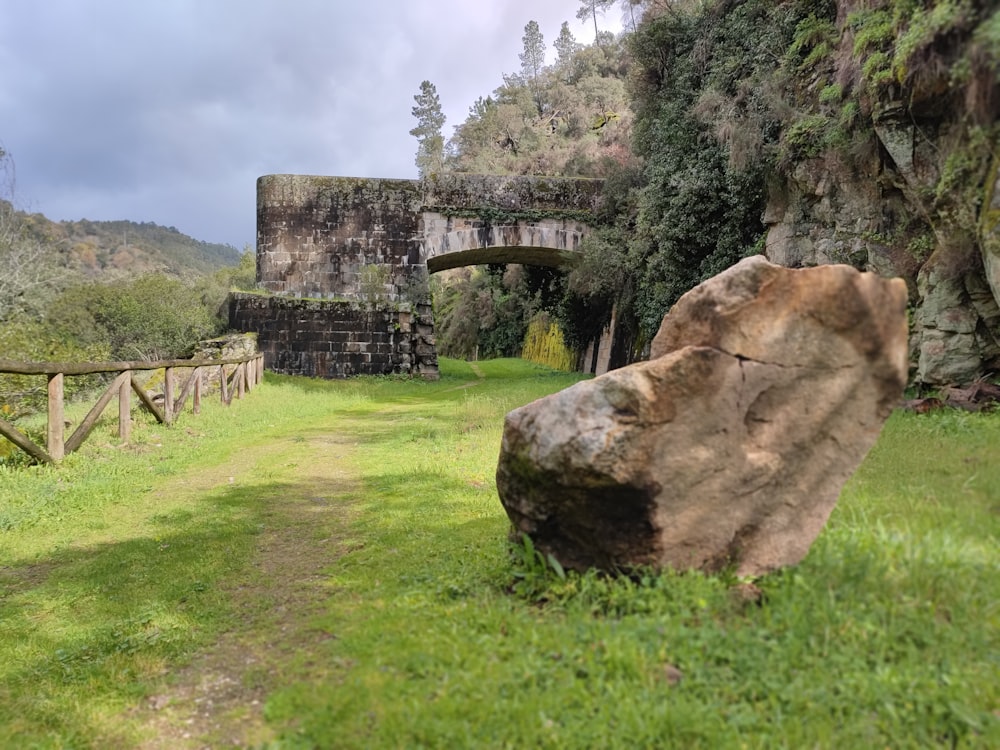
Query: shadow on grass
pixel 92 626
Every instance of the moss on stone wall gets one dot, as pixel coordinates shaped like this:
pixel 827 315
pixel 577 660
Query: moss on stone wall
pixel 510 193
pixel 492 216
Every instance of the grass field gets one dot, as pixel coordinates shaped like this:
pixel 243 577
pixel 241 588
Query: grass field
pixel 326 564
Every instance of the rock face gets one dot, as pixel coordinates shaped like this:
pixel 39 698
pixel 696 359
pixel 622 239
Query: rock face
pixel 730 446
pixel 915 195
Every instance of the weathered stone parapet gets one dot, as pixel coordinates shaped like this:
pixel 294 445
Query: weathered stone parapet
pixel 514 193
pixel 336 236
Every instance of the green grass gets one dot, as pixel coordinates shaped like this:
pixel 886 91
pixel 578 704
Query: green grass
pixel 412 622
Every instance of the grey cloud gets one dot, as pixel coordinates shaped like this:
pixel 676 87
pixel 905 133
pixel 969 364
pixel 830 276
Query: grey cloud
pixel 168 111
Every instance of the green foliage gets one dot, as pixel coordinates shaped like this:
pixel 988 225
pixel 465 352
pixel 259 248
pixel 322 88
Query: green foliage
pixel 544 344
pixel 242 277
pixel 565 45
pixel 806 138
pixel 148 318
pixel 873 30
pixel 831 94
pixel 26 339
pixel 373 280
pixel 96 249
pixel 709 112
pixel 565 119
pixel 814 41
pixel 533 61
pixel 923 27
pixel 483 312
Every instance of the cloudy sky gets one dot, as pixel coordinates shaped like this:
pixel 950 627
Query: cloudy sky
pixel 168 110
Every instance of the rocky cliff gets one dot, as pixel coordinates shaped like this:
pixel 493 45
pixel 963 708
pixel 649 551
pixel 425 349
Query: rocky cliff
pixel 898 170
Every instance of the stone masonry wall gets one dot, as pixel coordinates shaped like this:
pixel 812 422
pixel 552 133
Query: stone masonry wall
pixel 337 338
pixel 337 236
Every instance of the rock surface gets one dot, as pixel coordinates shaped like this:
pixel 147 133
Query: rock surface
pixel 887 212
pixel 766 389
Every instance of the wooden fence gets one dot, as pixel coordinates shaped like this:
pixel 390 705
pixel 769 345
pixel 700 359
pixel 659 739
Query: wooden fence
pixel 245 373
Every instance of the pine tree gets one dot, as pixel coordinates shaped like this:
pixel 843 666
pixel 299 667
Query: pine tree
pixel 430 121
pixel 590 9
pixel 533 60
pixel 565 44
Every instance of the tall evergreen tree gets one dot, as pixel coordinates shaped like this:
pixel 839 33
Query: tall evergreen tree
pixel 430 121
pixel 590 9
pixel 565 44
pixel 533 60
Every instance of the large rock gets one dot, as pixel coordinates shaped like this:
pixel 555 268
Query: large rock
pixel 766 389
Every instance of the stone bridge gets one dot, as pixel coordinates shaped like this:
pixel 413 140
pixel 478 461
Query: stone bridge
pixel 344 261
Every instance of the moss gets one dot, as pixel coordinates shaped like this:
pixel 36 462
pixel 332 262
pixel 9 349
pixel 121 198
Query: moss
pixel 831 94
pixel 921 246
pixel 990 218
pixel 492 216
pixel 923 26
pixel 279 300
pixel 813 42
pixel 963 168
pixel 806 138
pixel 872 29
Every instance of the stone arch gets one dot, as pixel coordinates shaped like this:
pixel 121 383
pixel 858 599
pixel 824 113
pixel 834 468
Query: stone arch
pixel 451 242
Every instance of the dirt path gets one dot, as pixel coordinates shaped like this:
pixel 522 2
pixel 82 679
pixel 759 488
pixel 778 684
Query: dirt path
pixel 217 700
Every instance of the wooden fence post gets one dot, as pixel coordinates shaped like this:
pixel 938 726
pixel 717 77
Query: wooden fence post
pixel 168 395
pixel 196 397
pixel 241 379
pixel 224 384
pixel 125 410
pixel 56 425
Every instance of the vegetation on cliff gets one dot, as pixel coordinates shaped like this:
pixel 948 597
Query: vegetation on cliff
pixel 863 131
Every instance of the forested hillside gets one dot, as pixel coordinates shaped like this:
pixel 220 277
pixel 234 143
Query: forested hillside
pixel 118 290
pixel 815 131
pixel 100 248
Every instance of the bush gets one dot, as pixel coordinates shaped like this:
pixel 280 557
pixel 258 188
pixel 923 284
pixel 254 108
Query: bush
pixel 148 318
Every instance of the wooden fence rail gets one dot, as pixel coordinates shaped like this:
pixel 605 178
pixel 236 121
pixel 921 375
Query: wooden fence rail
pixel 245 374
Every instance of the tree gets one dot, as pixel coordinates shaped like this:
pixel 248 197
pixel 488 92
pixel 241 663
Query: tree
pixel 430 121
pixel 590 9
pixel 28 268
pixel 629 12
pixel 533 60
pixel 565 45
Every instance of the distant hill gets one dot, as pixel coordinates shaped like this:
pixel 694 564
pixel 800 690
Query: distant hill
pixel 98 249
